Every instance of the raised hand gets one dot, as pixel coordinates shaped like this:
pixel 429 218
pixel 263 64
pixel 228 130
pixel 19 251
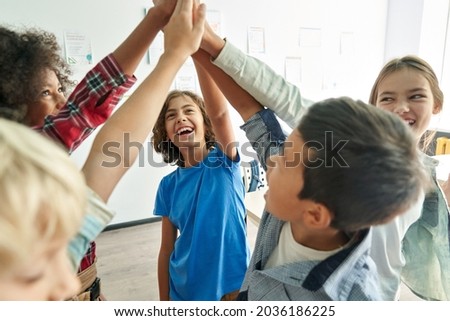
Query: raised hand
pixel 211 42
pixel 183 33
pixel 165 9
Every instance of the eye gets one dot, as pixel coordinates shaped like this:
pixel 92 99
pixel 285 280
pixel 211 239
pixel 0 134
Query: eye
pixel 385 99
pixel 170 116
pixel 61 90
pixel 190 110
pixel 45 93
pixel 417 96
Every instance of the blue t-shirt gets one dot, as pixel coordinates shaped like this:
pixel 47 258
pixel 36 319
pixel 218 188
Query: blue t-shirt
pixel 206 203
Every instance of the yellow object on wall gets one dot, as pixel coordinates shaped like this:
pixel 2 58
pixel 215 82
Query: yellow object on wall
pixel 442 146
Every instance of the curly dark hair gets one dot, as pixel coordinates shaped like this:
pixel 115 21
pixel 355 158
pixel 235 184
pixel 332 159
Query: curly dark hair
pixel 171 154
pixel 24 56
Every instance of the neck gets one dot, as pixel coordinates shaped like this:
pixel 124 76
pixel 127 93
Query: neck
pixel 193 155
pixel 325 239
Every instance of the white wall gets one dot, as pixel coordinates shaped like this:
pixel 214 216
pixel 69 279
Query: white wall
pixel 326 71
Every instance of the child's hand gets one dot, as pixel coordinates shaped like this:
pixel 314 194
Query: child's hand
pixel 211 41
pixel 183 33
pixel 208 35
pixel 164 8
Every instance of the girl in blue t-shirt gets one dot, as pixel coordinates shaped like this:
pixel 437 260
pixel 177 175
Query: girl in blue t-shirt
pixel 204 250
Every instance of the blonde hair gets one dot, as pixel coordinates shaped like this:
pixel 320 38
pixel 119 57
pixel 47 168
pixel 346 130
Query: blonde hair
pixel 42 193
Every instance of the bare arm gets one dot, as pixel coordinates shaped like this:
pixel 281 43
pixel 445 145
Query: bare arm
pixel 134 121
pixel 130 52
pixel 212 43
pixel 168 237
pixel 217 109
pixel 240 99
pixel 259 79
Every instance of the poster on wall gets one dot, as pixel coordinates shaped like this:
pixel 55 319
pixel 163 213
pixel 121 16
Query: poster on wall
pixel 347 44
pixel 214 18
pixel 293 70
pixel 156 49
pixel 78 48
pixel 186 78
pixel 310 37
pixel 256 40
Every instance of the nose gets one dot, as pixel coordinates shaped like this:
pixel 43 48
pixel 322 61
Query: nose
pixel 60 101
pixel 401 107
pixel 181 118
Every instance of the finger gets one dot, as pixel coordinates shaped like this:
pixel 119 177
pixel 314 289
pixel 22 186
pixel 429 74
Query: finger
pixel 177 6
pixel 200 17
pixel 185 5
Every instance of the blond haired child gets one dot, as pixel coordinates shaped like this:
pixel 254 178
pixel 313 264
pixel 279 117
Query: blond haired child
pixel 43 197
pixel 136 118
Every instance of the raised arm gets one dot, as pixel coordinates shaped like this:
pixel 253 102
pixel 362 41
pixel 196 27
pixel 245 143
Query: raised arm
pixel 240 99
pixel 256 77
pixel 130 52
pixel 217 110
pixel 89 106
pixel 261 126
pixel 136 118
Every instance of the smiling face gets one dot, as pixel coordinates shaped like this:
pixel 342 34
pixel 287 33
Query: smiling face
pixel 184 123
pixel 46 276
pixel 48 102
pixel 407 93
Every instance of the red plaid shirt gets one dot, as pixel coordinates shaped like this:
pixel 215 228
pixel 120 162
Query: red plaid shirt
pixel 88 106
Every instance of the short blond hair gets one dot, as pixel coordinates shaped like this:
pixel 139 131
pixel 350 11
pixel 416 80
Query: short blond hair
pixel 42 193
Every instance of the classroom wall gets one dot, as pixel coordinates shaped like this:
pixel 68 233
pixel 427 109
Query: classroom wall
pixel 335 47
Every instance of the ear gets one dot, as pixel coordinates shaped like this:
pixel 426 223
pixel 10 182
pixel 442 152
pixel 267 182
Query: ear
pixel 437 109
pixel 317 215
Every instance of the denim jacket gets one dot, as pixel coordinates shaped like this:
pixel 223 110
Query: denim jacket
pixel 426 246
pixel 419 264
pixel 347 275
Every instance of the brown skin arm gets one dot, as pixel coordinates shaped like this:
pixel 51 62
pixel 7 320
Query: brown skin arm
pixel 240 99
pixel 168 237
pixel 130 52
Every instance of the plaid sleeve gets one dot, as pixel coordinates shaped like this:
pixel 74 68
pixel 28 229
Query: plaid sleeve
pixel 89 105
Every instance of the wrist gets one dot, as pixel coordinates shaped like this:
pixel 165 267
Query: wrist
pixel 213 45
pixel 174 57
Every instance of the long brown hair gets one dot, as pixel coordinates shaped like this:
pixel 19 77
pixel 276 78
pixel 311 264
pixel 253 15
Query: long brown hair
pixel 162 144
